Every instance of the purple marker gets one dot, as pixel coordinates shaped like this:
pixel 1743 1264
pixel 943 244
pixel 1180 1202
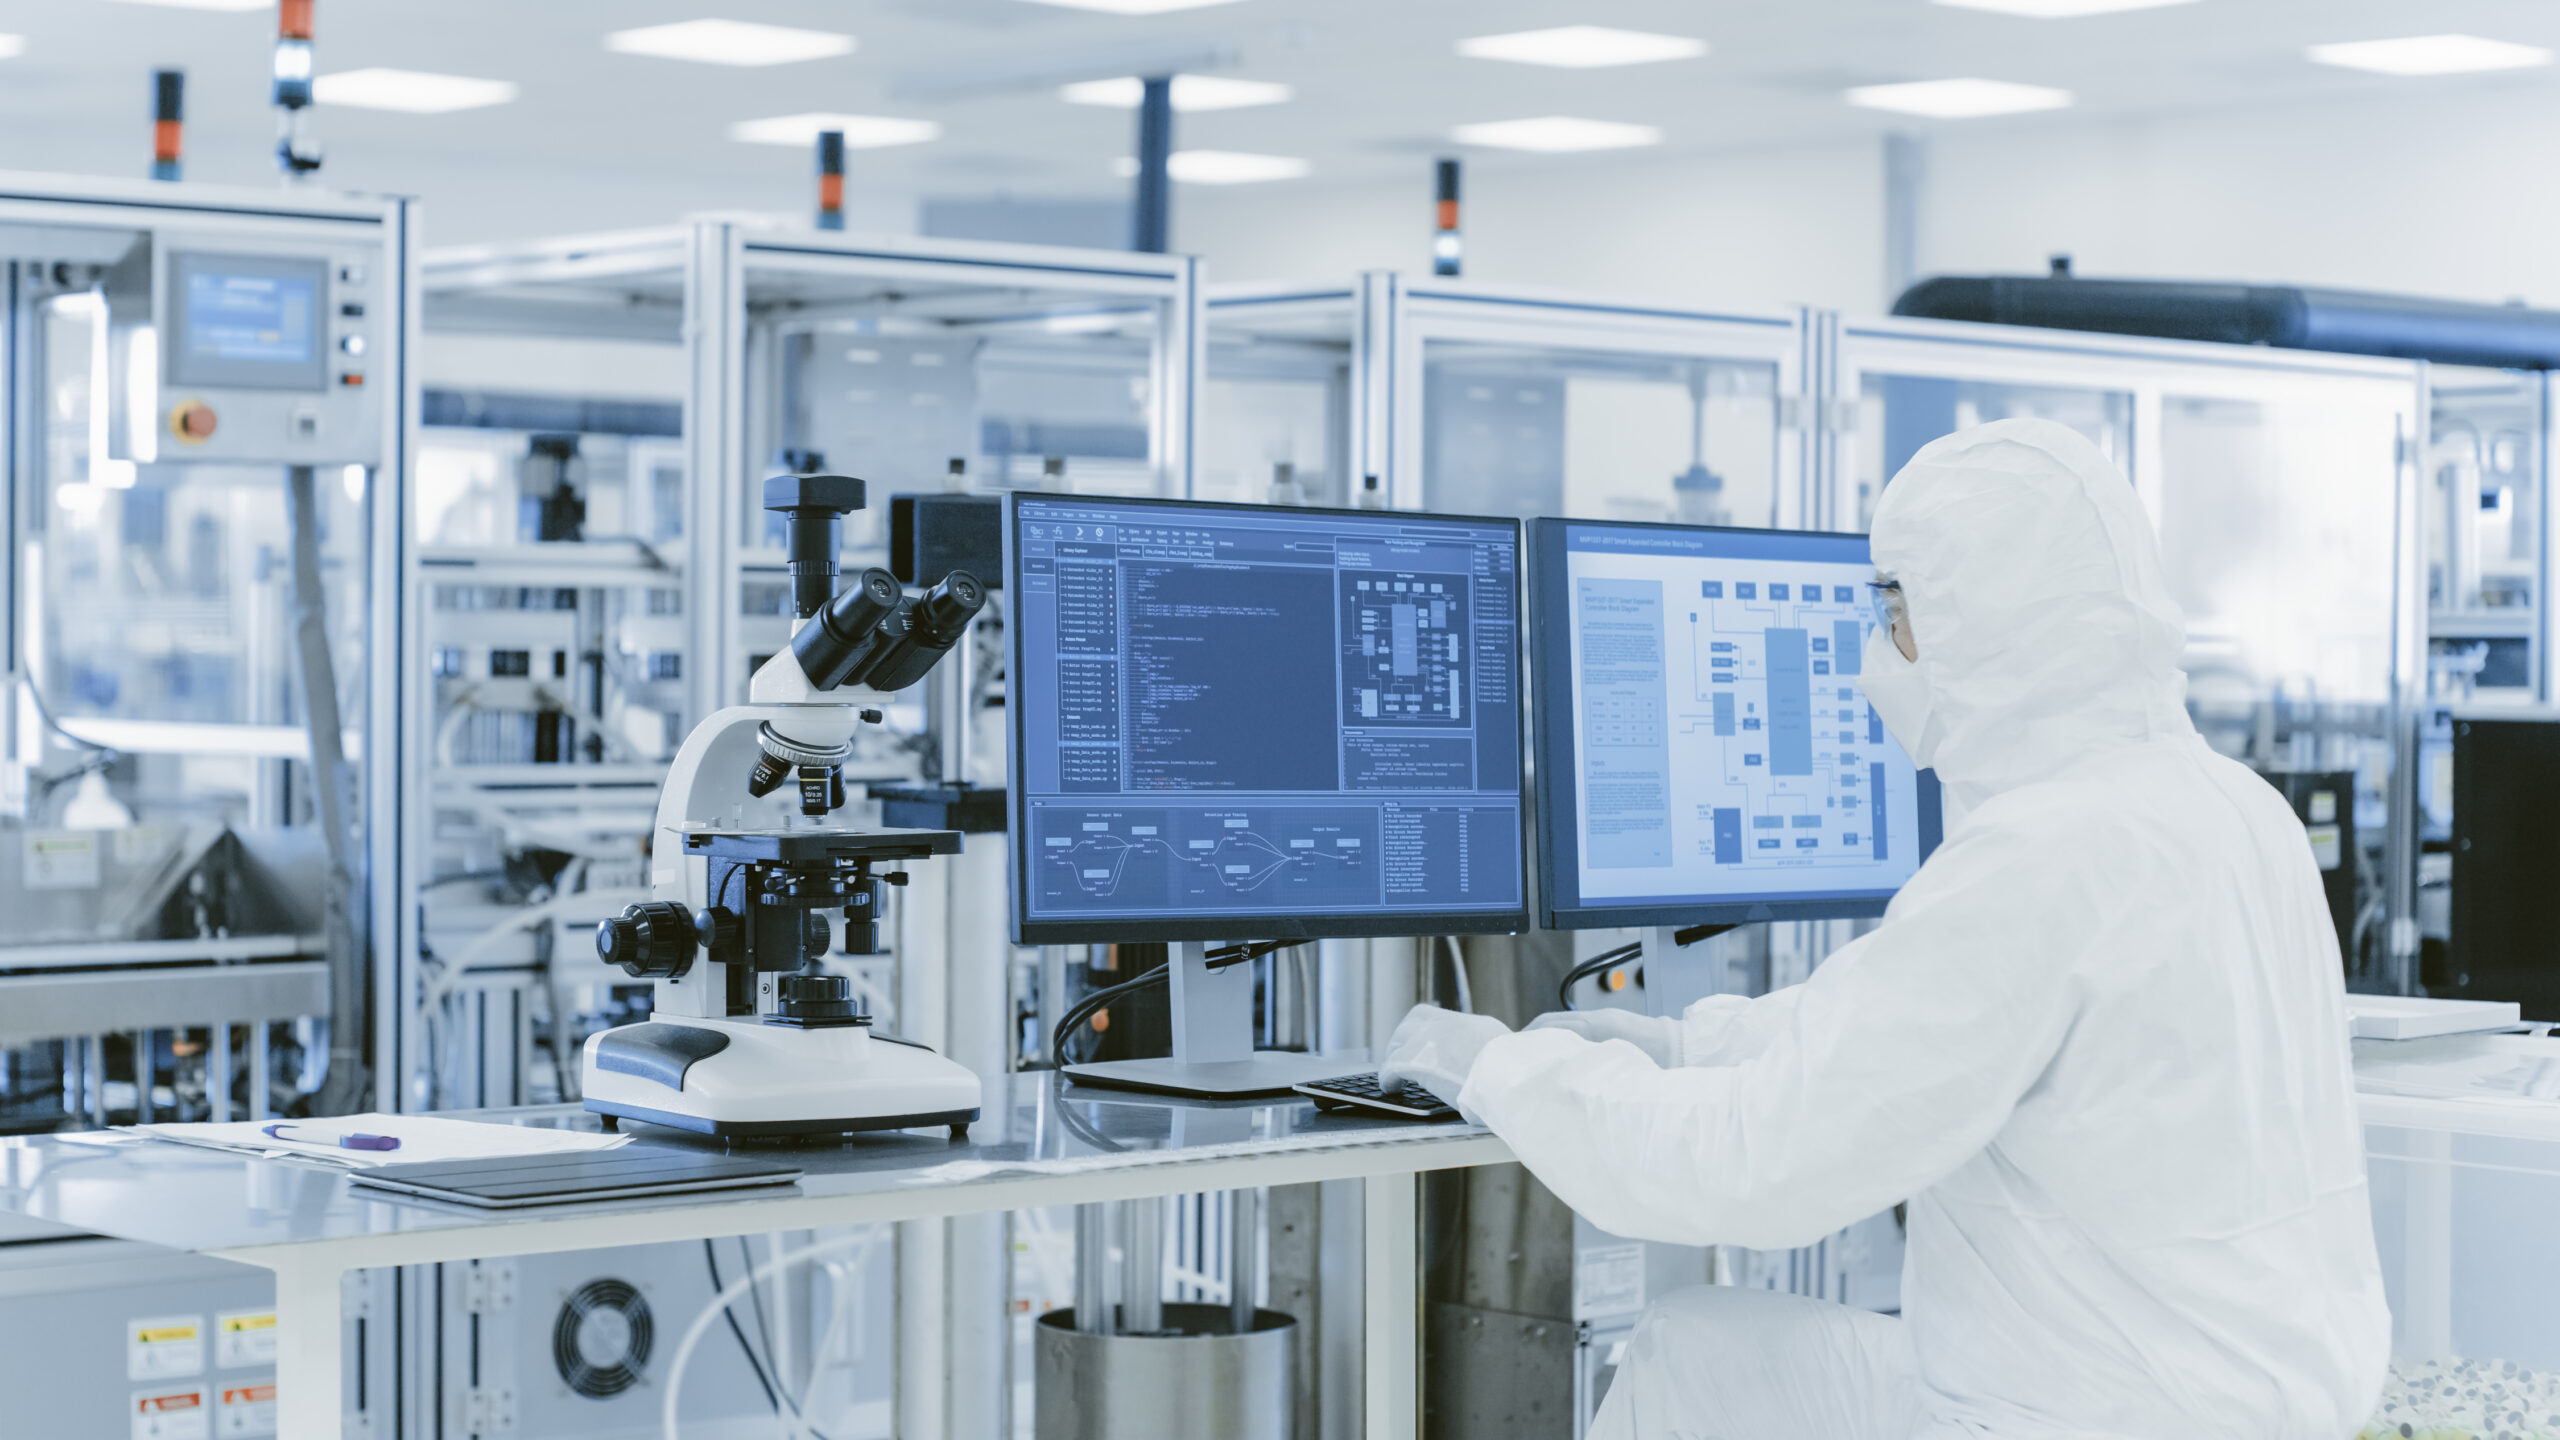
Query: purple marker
pixel 352 1141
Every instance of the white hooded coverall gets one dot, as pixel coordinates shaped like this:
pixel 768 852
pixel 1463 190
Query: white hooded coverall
pixel 2097 1044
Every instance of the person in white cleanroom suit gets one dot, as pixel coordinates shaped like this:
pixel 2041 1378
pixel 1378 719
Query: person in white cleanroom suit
pixel 2097 1044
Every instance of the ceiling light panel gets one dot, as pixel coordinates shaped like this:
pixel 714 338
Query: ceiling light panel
pixel 1131 7
pixel 230 5
pixel 1959 99
pixel 729 42
pixel 1556 134
pixel 2432 55
pixel 1190 92
pixel 412 92
pixel 2060 9
pixel 1220 167
pixel 1582 47
pixel 11 45
pixel 861 132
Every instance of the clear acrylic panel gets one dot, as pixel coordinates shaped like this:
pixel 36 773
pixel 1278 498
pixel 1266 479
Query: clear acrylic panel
pixel 1275 419
pixel 2276 526
pixel 1534 430
pixel 2483 508
pixel 161 603
pixel 926 392
pixel 555 609
pixel 1897 414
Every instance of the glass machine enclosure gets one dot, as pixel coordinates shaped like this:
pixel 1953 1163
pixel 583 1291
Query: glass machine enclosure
pixel 204 428
pixel 2283 485
pixel 2487 516
pixel 597 574
pixel 1437 395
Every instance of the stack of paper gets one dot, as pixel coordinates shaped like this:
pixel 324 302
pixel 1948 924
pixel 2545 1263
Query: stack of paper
pixel 2415 1017
pixel 421 1137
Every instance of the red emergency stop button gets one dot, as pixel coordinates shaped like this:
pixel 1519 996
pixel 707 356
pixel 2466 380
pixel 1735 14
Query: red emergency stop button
pixel 193 421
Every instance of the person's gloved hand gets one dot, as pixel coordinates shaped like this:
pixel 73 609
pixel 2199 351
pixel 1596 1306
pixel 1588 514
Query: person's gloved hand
pixel 1435 1048
pixel 1658 1036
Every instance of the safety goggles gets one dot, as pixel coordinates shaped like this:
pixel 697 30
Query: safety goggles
pixel 1884 601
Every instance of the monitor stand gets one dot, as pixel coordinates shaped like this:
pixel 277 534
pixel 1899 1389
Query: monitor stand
pixel 1213 1056
pixel 1677 976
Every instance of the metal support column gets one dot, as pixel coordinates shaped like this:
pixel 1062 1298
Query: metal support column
pixel 1152 231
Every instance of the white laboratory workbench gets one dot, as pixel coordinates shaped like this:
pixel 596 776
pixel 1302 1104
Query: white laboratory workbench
pixel 1049 1144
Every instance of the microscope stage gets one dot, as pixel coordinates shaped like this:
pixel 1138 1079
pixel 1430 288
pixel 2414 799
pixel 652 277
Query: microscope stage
pixel 789 847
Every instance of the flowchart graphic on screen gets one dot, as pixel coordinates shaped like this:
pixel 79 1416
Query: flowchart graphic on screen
pixel 1721 747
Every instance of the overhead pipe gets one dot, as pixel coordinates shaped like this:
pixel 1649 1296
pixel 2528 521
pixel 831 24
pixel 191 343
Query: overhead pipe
pixel 2351 322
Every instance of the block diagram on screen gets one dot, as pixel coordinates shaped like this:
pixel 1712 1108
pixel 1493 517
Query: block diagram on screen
pixel 1791 753
pixel 1404 648
pixel 1720 726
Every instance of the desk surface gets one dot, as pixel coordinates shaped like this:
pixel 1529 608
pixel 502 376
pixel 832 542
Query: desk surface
pixel 1052 1143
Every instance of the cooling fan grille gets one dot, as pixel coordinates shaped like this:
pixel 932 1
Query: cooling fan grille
pixel 601 1339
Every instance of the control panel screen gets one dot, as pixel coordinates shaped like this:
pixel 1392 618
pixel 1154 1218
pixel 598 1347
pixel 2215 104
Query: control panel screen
pixel 255 322
pixel 1237 722
pixel 1705 751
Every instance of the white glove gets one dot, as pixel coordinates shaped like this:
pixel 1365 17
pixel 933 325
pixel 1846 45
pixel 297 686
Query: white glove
pixel 1435 1048
pixel 1658 1036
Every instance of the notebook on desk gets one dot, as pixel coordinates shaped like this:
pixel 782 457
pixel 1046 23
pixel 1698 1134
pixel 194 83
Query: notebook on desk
pixel 518 1180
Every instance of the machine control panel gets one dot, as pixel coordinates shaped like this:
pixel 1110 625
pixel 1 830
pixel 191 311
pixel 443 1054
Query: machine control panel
pixel 265 354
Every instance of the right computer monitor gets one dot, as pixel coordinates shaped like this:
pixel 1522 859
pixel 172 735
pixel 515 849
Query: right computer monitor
pixel 1704 752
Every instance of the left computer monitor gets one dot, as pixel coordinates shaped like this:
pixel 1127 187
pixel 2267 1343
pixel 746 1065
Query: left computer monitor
pixel 1248 722
pixel 1705 754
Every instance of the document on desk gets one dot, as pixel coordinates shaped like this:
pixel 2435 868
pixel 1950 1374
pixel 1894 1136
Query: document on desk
pixel 423 1138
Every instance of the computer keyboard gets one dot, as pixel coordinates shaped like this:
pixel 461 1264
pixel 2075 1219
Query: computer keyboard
pixel 1362 1092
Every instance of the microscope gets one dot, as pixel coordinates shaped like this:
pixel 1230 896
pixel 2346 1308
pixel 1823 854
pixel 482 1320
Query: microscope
pixel 747 1037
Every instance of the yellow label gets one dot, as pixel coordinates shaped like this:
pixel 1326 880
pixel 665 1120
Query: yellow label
pixel 158 1333
pixel 234 1324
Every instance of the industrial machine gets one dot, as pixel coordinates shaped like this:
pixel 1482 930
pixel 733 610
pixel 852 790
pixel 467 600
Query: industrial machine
pixel 204 434
pixel 748 1036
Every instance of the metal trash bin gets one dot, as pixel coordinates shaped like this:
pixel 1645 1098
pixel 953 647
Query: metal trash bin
pixel 1195 1380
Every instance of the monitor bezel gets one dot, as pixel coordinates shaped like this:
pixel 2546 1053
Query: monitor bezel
pixel 1552 713
pixel 1228 926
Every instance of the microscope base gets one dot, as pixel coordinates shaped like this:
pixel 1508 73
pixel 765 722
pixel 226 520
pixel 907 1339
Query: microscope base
pixel 743 1079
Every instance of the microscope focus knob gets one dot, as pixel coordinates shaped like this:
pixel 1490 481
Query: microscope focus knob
pixel 722 932
pixel 650 941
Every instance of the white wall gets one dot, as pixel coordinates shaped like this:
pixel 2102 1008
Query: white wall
pixel 2439 193
pixel 2442 193
pixel 1759 229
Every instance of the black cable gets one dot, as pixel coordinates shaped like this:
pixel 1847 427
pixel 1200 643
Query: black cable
pixel 1593 966
pixel 773 1395
pixel 1085 1008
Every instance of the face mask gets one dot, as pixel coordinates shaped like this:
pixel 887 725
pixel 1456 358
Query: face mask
pixel 1895 688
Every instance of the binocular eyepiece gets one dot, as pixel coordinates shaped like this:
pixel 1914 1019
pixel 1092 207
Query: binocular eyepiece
pixel 875 634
